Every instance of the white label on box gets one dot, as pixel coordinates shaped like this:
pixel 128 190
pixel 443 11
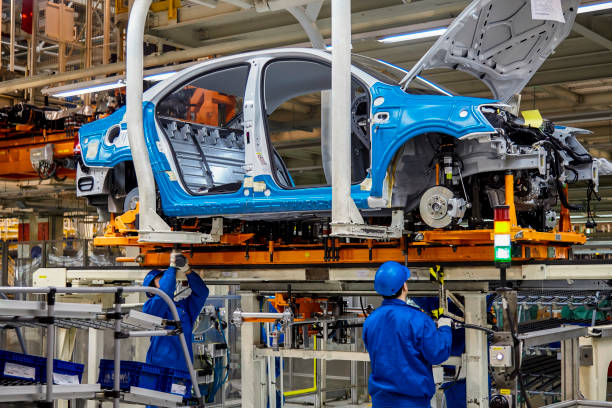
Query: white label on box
pixel 178 389
pixel 16 370
pixel 63 379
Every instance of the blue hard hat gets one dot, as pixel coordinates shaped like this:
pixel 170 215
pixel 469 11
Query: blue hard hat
pixel 390 278
pixel 148 280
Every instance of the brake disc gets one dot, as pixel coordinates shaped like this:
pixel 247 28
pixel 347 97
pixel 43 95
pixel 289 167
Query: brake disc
pixel 435 206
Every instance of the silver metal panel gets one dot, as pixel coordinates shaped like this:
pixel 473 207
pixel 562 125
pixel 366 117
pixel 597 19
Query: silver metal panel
pixel 552 335
pixel 37 309
pixel 338 355
pixel 37 392
pixel 149 397
pixel 207 156
pixel 144 320
pixel 107 274
pixel 579 404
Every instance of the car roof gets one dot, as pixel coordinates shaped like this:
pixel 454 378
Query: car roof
pixel 245 57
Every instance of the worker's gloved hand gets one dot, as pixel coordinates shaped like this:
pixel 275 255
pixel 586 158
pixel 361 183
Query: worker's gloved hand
pixel 444 321
pixel 178 261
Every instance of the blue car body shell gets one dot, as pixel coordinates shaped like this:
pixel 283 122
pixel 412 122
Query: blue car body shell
pixel 409 115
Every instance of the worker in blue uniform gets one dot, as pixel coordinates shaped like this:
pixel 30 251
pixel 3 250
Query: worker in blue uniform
pixel 166 351
pixel 403 343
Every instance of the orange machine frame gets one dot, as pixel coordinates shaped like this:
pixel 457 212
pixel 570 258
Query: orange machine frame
pixel 205 107
pixel 15 146
pixel 432 246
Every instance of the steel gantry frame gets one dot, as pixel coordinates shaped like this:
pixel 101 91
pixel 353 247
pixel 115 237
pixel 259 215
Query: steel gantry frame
pixel 471 282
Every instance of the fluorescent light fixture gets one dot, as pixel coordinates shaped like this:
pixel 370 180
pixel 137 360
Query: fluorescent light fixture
pixel 330 47
pixel 434 32
pixel 589 8
pixel 90 89
pixel 159 77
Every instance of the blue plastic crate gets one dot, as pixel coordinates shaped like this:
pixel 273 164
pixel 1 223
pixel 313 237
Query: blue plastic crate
pixel 133 373
pixel 178 382
pixel 64 372
pixel 34 368
pixel 18 366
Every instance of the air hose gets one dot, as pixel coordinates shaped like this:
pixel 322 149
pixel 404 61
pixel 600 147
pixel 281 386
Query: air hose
pixel 474 327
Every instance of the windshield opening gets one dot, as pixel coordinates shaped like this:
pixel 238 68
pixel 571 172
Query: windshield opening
pixel 393 75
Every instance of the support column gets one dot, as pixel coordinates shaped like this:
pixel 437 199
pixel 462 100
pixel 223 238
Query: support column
pixel 5 264
pixel 323 364
pixel 56 227
pixel 354 371
pixel 28 229
pixel 477 373
pixel 344 210
pixel 61 56
pixel 250 368
pixel 12 38
pixel 594 375
pixel 120 43
pixel 570 366
pixel 107 40
pixel 88 33
pixel 88 44
pixel 95 351
pixel 34 46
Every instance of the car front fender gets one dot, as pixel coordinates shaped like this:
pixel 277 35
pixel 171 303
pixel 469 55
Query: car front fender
pixel 398 117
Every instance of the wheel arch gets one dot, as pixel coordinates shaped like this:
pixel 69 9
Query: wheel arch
pixel 411 169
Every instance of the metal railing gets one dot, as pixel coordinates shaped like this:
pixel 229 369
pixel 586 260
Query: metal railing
pixel 120 332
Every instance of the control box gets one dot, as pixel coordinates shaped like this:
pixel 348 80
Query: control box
pixel 500 356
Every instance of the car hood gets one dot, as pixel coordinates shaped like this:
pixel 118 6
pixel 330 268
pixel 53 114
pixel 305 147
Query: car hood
pixel 498 42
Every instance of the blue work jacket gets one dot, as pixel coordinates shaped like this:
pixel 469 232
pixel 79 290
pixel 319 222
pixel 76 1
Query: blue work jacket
pixel 403 344
pixel 166 351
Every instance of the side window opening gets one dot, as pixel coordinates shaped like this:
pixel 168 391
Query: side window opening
pixel 296 104
pixel 203 123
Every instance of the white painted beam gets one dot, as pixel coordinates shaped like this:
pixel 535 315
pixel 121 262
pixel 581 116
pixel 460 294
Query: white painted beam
pixel 592 35
pixel 338 355
pixel 344 210
pixel 149 219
